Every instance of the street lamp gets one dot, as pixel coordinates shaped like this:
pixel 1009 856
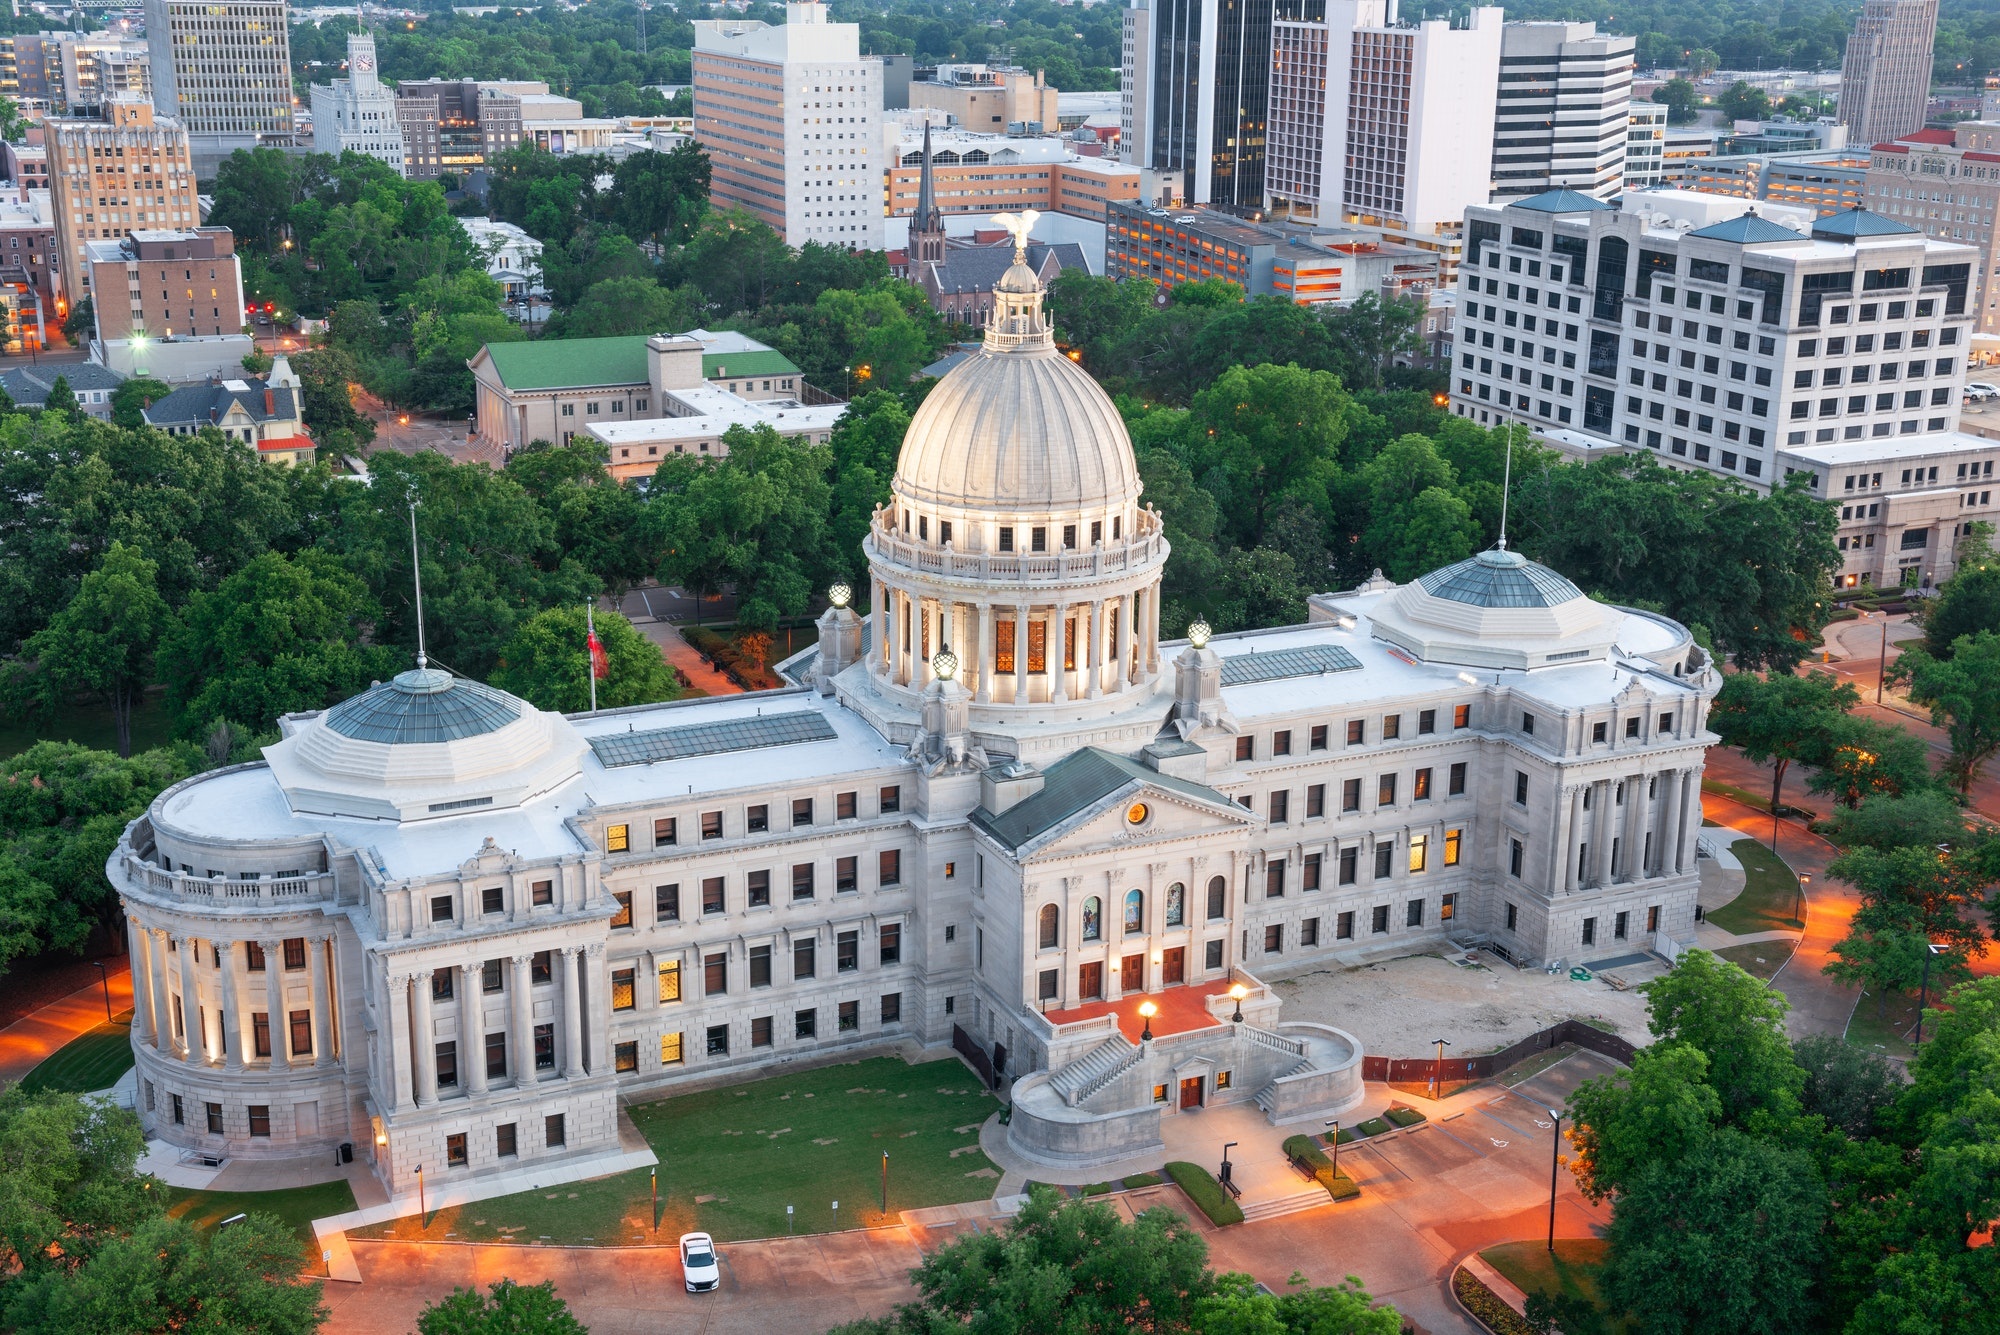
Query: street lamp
pixel 1237 992
pixel 1437 1080
pixel 1334 1140
pixel 1924 993
pixel 1555 1162
pixel 104 977
pixel 423 1208
pixel 1147 1010
pixel 1225 1159
pixel 1804 879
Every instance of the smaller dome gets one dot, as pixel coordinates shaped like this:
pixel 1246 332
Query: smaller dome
pixel 423 705
pixel 1018 278
pixel 1500 578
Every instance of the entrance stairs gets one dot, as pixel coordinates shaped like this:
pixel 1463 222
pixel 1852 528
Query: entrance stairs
pixel 1310 1199
pixel 1077 1080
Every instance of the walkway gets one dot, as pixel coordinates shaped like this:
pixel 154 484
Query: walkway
pixel 697 671
pixel 25 1043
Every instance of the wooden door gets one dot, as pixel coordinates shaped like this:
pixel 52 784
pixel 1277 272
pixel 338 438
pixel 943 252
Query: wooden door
pixel 1090 981
pixel 1191 1093
pixel 1173 967
pixel 1132 974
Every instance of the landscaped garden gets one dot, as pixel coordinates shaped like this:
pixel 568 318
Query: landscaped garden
pixel 294 1207
pixel 1575 1268
pixel 1770 894
pixel 93 1060
pixel 733 1159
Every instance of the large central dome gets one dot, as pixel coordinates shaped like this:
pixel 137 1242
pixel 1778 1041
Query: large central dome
pixel 1017 428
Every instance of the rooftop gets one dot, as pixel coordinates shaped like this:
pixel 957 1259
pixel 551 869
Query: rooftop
pixel 584 363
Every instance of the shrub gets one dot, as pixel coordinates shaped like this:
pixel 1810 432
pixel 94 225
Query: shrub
pixel 1404 1116
pixel 1306 1149
pixel 1374 1126
pixel 1095 1189
pixel 1491 1310
pixel 1207 1194
pixel 1142 1180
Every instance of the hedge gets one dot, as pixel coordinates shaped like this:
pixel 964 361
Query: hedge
pixel 1404 1116
pixel 1095 1189
pixel 1339 1186
pixel 1207 1194
pixel 1374 1126
pixel 1489 1307
pixel 1142 1180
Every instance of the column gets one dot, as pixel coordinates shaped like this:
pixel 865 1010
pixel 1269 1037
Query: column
pixel 1635 826
pixel 274 1004
pixel 893 602
pixel 1690 815
pixel 194 1039
pixel 984 655
pixel 232 1009
pixel 1602 830
pixel 156 953
pixel 399 1040
pixel 322 1002
pixel 1572 862
pixel 145 1006
pixel 423 1038
pixel 1153 628
pixel 1128 630
pixel 1666 843
pixel 521 998
pixel 1021 655
pixel 879 608
pixel 1058 642
pixel 597 1008
pixel 1558 863
pixel 926 623
pixel 472 1028
pixel 572 1011
pixel 1095 640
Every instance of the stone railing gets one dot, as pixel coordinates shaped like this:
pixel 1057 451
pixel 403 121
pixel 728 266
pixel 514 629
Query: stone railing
pixel 1139 554
pixel 220 890
pixel 1270 1040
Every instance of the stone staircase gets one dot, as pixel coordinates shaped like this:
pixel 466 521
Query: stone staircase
pixel 1267 1096
pixel 1309 1199
pixel 1079 1079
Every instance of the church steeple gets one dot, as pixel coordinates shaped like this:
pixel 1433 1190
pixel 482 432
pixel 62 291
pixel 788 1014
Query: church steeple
pixel 927 229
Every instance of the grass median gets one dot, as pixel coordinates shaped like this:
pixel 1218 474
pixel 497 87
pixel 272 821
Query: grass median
pixel 95 1059
pixel 1770 894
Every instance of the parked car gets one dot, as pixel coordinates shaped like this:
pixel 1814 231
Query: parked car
pixel 699 1266
pixel 1979 391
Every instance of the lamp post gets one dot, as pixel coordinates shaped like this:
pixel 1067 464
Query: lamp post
pixel 423 1208
pixel 1147 1010
pixel 1924 993
pixel 1437 1078
pixel 1334 1141
pixel 1228 1146
pixel 1555 1162
pixel 655 1175
pixel 1236 993
pixel 104 978
pixel 1803 880
pixel 885 1184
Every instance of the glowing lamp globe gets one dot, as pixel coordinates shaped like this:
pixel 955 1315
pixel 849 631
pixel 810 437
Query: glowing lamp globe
pixel 839 595
pixel 944 665
pixel 1198 633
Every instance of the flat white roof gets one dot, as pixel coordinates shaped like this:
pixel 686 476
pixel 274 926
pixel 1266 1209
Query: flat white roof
pixel 1849 453
pixel 787 416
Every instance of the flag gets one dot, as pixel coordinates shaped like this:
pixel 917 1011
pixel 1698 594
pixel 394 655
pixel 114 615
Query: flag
pixel 600 666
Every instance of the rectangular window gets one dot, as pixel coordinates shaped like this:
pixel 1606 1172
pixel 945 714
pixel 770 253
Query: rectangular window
pixel 1350 795
pixel 441 984
pixel 1315 800
pixel 666 832
pixel 260 1029
pixel 1343 927
pixel 1447 908
pixel 760 1032
pixel 545 1047
pixel 1274 879
pixel 1413 915
pixel 496 1055
pixel 1211 955
pixel 1420 790
pixel 802 880
pixel 440 912
pixel 1319 737
pixel 492 900
pixel 214 1117
pixel 718 1040
pixel 1653 918
pixel 1274 939
pixel 1514 855
pixel 1451 844
pixel 1281 802
pixel 506 1140
pixel 1246 748
pixel 805 1024
pixel 625 1056
pixel 623 990
pixel 757 819
pixel 1349 861
pixel 845 805
pixel 1392 727
pixel 715 974
pixel 454 1150
pixel 1461 716
pixel 847 952
pixel 890 867
pixel 1281 743
pixel 1455 780
pixel 802 811
pixel 260 1119
pixel 670 980
pixel 891 944
pixel 850 1011
pixel 804 951
pixel 892 1007
pixel 1590 931
pixel 1385 791
pixel 542 892
pixel 757 885
pixel 1384 860
pixel 1420 850
pixel 554 1133
pixel 300 1023
pixel 1379 919
pixel 617 838
pixel 846 875
pixel 711 824
pixel 892 798
pixel 295 953
pixel 1355 732
pixel 1618 926
pixel 711 894
pixel 1520 788
pixel 1309 876
pixel 666 903
pixel 672 1053
pixel 623 917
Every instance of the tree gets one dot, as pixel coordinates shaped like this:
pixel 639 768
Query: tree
pixel 1738 1023
pixel 1238 1307
pixel 661 195
pixel 327 404
pixel 1847 1085
pixel 1744 101
pixel 547 663
pixel 67 1184
pixel 1963 693
pixel 631 306
pixel 1680 99
pixel 168 1276
pixel 1781 718
pixel 63 808
pixel 61 403
pixel 281 634
pixel 1922 819
pixel 1866 758
pixel 102 643
pixel 1702 62
pixel 1966 603
pixel 599 521
pixel 1621 1124
pixel 80 322
pixel 1724 1239
pixel 1261 433
pixel 134 397
pixel 508 1308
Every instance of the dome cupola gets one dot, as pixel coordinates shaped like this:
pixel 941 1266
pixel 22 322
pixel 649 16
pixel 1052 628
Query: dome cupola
pixel 1497 609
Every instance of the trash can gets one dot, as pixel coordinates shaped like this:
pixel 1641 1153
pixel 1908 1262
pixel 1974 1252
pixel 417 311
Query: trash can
pixel 347 1151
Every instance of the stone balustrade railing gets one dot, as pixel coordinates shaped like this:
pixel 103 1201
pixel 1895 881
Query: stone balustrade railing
pixel 221 890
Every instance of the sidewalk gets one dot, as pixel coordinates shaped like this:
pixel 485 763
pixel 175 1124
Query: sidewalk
pixel 28 1041
pixel 698 671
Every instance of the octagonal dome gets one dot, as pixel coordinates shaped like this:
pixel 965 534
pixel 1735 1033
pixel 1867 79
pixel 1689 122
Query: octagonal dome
pixel 425 744
pixel 1498 610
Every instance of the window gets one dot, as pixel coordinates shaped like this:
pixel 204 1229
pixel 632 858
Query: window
pixel 671 1052
pixel 1281 743
pixel 1520 788
pixel 1528 724
pixel 1618 926
pixel 1274 939
pixel 1421 789
pixel 1452 839
pixel 847 952
pixel 260 1119
pixel 889 867
pixel 1599 732
pixel 666 903
pixel 850 1011
pixel 1349 858
pixel 617 838
pixel 1392 727
pixel 441 984
pixel 506 1140
pixel 760 1032
pixel 711 824
pixel 623 917
pixel 892 798
pixel 542 892
pixel 623 990
pixel 300 1023
pixel 1281 802
pixel 757 885
pixel 1413 914
pixel 1350 795
pixel 490 976
pixel 1384 859
pixel 545 1047
pixel 1461 716
pixel 1420 851
pixel 447 1065
pixel 804 957
pixel 1380 919
pixel 1455 779
pixel 553 1131
pixel 1513 916
pixel 1385 791
pixel 1211 955
pixel 845 805
pixel 1218 890
pixel 1355 730
pixel 805 1024
pixel 718 1040
pixel 492 900
pixel 802 880
pixel 891 944
pixel 715 974
pixel 1514 855
pixel 1315 800
pixel 892 1007
pixel 1319 737
pixel 1309 875
pixel 1427 721
pixel 1447 908
pixel 260 1027
pixel 670 980
pixel 711 894
pixel 666 832
pixel 757 819
pixel 1274 879
pixel 1590 931
pixel 440 909
pixel 1246 748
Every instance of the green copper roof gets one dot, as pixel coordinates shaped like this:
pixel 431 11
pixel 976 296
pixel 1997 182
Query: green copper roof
pixel 1500 578
pixel 423 705
pixel 1076 783
pixel 585 363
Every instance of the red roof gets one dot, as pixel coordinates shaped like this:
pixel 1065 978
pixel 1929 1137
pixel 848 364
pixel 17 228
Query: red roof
pixel 1929 137
pixel 286 443
pixel 1891 148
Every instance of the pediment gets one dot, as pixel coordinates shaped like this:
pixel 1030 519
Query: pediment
pixel 1170 815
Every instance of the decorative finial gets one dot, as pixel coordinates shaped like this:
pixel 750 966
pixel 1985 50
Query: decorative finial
pixel 1018 226
pixel 839 595
pixel 1198 633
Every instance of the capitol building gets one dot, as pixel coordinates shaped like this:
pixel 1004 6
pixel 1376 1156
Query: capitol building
pixel 996 812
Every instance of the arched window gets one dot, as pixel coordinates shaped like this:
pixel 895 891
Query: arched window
pixel 1176 904
pixel 1135 912
pixel 1051 935
pixel 1218 892
pixel 1093 919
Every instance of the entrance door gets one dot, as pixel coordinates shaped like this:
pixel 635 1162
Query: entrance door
pixel 1132 974
pixel 1090 981
pixel 1173 967
pixel 1191 1093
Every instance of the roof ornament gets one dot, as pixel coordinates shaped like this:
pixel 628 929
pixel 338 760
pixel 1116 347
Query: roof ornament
pixel 417 575
pixel 1018 226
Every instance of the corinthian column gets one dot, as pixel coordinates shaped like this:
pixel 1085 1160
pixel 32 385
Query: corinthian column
pixel 572 1011
pixel 232 1010
pixel 521 999
pixel 322 1003
pixel 472 1028
pixel 274 1004
pixel 423 1041
pixel 983 655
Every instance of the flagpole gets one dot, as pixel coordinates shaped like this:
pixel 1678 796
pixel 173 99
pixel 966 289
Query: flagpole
pixel 589 658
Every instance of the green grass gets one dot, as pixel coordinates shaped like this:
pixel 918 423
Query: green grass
pixel 1142 1180
pixel 1884 1027
pixel 1575 1268
pixel 92 1060
pixel 296 1207
pixel 732 1159
pixel 1206 1193
pixel 1769 893
pixel 1760 801
pixel 1529 1067
pixel 1095 1189
pixel 1404 1116
pixel 1760 959
pixel 1374 1126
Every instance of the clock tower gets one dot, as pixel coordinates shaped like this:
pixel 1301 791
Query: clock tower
pixel 361 68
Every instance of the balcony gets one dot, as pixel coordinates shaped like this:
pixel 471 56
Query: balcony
pixel 308 887
pixel 1139 554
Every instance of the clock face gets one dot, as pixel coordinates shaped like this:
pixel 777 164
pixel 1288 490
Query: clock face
pixel 364 62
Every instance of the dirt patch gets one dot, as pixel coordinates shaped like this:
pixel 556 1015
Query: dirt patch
pixel 1400 1008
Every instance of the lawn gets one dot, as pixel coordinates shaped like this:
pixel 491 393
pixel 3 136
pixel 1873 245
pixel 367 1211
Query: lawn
pixel 1884 1028
pixel 297 1207
pixel 732 1160
pixel 1769 894
pixel 92 1060
pixel 1760 959
pixel 1574 1268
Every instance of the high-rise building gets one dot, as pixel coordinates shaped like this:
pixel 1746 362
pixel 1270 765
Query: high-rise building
pixel 1382 124
pixel 1195 87
pixel 225 71
pixel 1564 114
pixel 1885 78
pixel 167 283
pixel 1307 268
pixel 71 73
pixel 1645 145
pixel 1946 184
pixel 989 98
pixel 791 117
pixel 358 113
pixel 129 172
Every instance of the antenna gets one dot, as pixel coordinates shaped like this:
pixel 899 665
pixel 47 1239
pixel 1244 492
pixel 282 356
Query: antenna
pixel 417 575
pixel 1506 484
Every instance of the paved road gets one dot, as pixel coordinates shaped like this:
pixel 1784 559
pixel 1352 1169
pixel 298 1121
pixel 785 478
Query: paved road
pixel 26 1042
